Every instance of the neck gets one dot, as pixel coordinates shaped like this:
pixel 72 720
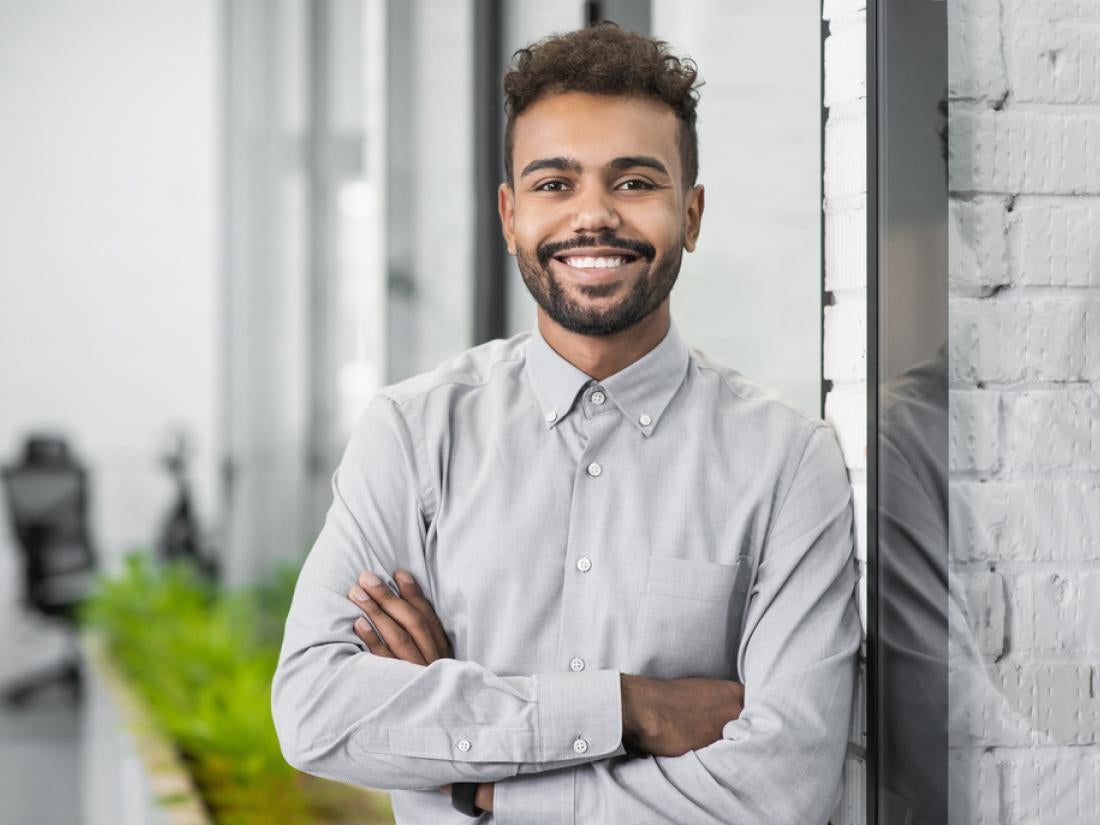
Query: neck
pixel 600 356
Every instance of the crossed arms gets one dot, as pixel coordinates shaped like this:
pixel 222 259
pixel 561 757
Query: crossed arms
pixel 347 714
pixel 661 717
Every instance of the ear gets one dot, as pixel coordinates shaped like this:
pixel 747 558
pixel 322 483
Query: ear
pixel 693 216
pixel 506 207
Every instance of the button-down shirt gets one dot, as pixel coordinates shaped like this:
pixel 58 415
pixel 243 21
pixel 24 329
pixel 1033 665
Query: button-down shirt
pixel 671 520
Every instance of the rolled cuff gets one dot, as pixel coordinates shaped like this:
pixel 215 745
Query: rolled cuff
pixel 535 799
pixel 580 714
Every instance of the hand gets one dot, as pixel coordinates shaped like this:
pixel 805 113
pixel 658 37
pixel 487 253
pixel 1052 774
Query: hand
pixel 483 798
pixel 409 628
pixel 669 717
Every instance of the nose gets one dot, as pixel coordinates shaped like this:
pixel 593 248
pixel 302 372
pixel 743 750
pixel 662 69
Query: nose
pixel 594 211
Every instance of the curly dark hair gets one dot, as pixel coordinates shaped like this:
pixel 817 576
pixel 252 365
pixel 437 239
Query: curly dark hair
pixel 603 59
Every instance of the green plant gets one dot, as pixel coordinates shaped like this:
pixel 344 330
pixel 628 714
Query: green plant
pixel 202 662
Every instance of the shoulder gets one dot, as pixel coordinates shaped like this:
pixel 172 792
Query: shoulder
pixel 738 395
pixel 471 369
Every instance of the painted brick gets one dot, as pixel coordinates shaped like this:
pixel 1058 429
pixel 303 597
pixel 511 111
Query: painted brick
pixel 1024 151
pixel 846 248
pixel 973 442
pixel 1051 786
pixel 834 9
pixel 1012 339
pixel 1056 244
pixel 1053 430
pixel 859 515
pixel 981 715
pixel 973 787
pixel 1054 63
pixel 846 60
pixel 966 9
pixel 845 346
pixel 975 63
pixel 1046 12
pixel 1055 612
pixel 846 411
pixel 1059 700
pixel 1019 521
pixel 846 151
pixel 977 247
pixel 985 604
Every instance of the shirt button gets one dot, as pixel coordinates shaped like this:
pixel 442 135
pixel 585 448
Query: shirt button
pixel 576 664
pixel 464 745
pixel 645 420
pixel 551 416
pixel 598 398
pixel 584 564
pixel 580 746
pixel 594 469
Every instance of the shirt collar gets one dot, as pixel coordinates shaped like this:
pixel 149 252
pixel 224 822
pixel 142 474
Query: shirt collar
pixel 642 390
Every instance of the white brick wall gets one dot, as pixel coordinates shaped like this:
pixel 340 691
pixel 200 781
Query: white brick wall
pixel 1025 402
pixel 845 345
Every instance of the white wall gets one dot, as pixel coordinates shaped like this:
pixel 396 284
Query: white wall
pixel 1025 398
pixel 750 295
pixel 845 361
pixel 109 208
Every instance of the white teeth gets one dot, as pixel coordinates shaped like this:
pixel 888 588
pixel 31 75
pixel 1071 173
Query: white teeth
pixel 595 263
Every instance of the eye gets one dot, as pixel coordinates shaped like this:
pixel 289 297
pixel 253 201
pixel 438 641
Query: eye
pixel 636 184
pixel 551 186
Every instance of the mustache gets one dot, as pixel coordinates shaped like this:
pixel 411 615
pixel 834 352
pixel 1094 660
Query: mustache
pixel 640 248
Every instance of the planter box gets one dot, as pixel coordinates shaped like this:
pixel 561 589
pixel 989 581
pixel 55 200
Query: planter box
pixel 131 774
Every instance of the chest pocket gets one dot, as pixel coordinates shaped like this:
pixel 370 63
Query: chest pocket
pixel 691 617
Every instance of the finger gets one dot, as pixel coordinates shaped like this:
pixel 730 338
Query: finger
pixel 371 639
pixel 411 592
pixel 412 621
pixel 399 642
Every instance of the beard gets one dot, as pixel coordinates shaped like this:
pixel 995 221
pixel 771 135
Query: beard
pixel 650 289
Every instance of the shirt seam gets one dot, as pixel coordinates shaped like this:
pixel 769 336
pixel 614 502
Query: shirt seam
pixel 787 493
pixel 450 382
pixel 701 365
pixel 418 483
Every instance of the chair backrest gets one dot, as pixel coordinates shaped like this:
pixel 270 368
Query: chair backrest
pixel 47 498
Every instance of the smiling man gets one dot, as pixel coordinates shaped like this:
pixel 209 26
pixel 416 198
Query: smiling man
pixel 608 580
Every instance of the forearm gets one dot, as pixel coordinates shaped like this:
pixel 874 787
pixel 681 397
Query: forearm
pixel 780 762
pixel 347 715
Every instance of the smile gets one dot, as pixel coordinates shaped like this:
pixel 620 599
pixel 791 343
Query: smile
pixel 596 262
pixel 601 262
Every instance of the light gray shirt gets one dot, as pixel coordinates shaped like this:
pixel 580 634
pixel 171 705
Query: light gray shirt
pixel 671 520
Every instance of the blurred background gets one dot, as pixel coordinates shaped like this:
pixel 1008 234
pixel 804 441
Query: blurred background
pixel 227 223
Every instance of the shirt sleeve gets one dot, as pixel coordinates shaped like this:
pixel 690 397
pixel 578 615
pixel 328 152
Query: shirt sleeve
pixel 342 713
pixel 781 761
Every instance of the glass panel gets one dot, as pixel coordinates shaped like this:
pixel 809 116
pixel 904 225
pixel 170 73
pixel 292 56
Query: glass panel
pixel 909 577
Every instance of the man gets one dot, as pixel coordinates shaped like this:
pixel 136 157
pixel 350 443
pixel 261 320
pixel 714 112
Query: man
pixel 628 573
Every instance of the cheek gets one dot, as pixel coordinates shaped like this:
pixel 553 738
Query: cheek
pixel 658 221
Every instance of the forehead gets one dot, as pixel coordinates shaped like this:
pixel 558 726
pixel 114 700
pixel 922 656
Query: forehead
pixel 595 129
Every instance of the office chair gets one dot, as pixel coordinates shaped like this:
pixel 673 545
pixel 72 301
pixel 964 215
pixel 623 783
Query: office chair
pixel 47 507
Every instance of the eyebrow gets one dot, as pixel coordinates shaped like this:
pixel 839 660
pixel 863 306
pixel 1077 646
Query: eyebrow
pixel 573 165
pixel 564 164
pixel 630 161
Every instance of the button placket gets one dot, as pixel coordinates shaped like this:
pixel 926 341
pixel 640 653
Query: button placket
pixel 580 599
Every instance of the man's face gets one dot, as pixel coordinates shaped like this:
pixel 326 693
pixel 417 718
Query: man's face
pixel 599 216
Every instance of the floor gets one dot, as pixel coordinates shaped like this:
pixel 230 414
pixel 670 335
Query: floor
pixel 39 742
